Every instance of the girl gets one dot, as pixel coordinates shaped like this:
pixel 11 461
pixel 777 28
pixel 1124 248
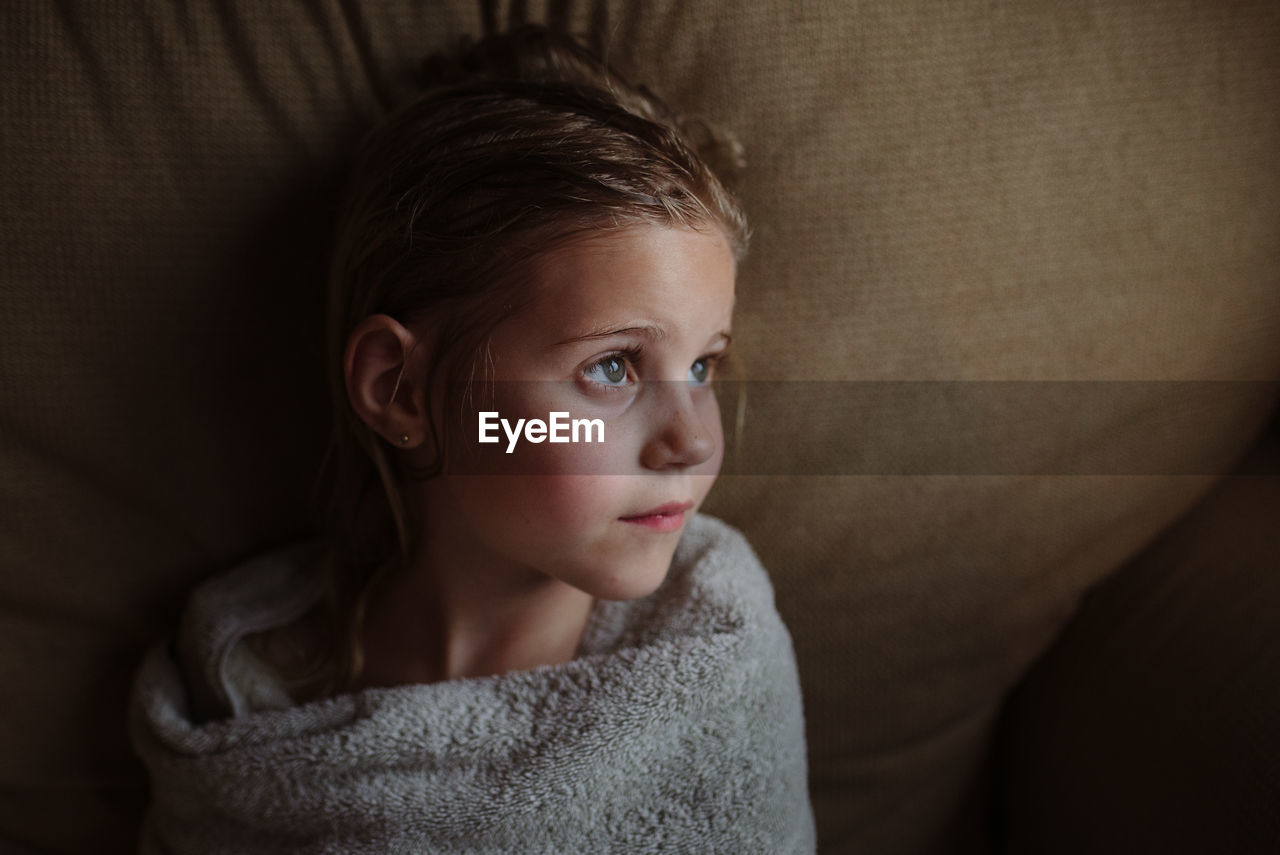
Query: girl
pixel 516 644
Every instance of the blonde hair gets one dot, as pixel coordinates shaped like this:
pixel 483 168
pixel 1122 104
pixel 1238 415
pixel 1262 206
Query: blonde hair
pixel 517 143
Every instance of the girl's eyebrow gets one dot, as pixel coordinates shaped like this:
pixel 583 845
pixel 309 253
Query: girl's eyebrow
pixel 650 331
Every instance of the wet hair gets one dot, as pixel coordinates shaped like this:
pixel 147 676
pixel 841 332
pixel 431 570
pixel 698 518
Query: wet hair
pixel 517 144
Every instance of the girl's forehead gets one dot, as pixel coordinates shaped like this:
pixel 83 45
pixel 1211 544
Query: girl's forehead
pixel 665 275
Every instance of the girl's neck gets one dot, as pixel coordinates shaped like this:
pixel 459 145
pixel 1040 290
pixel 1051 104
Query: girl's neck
pixel 453 615
pixel 420 631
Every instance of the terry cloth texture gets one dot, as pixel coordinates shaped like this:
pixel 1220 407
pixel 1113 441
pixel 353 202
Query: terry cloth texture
pixel 677 728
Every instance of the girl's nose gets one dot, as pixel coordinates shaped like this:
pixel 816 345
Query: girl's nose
pixel 680 437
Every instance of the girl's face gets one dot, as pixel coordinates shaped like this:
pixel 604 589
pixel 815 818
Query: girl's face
pixel 626 327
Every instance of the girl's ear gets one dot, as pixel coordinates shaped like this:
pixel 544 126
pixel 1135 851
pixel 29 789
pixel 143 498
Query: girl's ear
pixel 384 366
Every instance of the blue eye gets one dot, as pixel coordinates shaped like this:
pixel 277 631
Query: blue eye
pixel 700 371
pixel 609 371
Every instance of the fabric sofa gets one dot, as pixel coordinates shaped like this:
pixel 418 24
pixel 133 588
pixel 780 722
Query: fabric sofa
pixel 1010 315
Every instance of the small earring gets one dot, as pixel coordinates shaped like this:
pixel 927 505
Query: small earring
pixel 404 439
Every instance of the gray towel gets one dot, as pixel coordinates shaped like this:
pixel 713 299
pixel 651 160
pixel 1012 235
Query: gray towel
pixel 678 728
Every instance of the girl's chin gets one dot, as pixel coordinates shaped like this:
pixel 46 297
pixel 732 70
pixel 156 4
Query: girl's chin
pixel 630 584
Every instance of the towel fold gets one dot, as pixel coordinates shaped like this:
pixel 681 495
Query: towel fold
pixel 678 728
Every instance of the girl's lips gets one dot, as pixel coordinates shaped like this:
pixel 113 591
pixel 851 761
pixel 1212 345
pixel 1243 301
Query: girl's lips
pixel 668 517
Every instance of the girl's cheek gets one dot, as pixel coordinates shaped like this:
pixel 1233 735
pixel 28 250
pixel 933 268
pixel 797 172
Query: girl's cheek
pixel 581 500
pixel 529 509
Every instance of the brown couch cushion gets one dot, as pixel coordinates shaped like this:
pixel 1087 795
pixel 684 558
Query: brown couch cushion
pixel 949 192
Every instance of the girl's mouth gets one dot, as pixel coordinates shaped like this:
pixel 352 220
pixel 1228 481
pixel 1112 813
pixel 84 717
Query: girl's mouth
pixel 668 517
